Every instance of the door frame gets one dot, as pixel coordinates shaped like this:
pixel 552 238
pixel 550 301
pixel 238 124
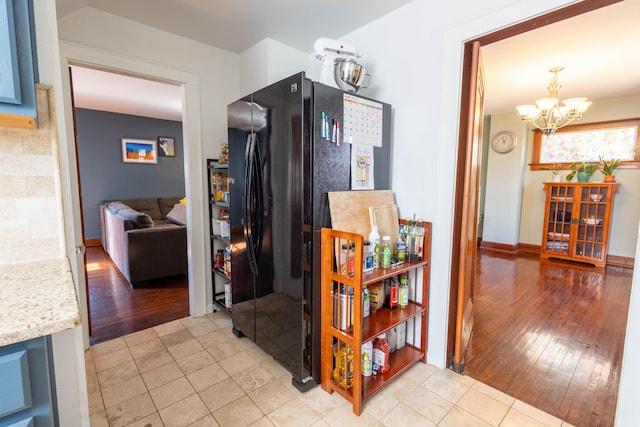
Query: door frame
pixel 83 247
pixel 199 282
pixel 462 183
pixel 467 174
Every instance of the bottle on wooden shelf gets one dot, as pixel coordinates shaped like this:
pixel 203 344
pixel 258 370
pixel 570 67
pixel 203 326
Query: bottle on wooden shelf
pixel 374 240
pixel 385 262
pixel 367 358
pixel 381 352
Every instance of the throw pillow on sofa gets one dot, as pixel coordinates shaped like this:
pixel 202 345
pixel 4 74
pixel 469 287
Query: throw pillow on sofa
pixel 178 214
pixel 137 219
pixel 144 221
pixel 166 204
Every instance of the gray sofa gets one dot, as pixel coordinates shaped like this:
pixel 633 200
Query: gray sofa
pixel 141 241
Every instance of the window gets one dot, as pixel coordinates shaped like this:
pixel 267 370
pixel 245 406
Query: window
pixel 588 142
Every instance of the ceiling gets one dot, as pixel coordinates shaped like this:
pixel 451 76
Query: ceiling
pixel 119 93
pixel 598 49
pixel 237 25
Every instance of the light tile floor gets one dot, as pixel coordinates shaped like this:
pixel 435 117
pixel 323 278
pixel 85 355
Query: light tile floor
pixel 195 372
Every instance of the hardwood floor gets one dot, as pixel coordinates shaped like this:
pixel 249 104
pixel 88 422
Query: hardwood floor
pixel 118 309
pixel 550 333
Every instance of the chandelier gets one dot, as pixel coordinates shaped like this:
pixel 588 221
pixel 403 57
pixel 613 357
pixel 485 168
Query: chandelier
pixel 547 115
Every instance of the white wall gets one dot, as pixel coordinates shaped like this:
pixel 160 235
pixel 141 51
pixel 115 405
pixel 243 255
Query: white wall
pixel 503 187
pixel 268 62
pixel 628 411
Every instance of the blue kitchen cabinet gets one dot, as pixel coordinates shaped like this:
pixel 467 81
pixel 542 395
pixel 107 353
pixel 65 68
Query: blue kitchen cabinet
pixel 17 58
pixel 26 384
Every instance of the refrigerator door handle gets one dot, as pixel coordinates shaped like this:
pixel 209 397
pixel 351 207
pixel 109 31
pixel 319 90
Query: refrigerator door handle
pixel 259 208
pixel 247 204
pixel 246 191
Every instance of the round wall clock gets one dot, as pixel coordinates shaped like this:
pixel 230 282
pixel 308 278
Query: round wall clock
pixel 504 141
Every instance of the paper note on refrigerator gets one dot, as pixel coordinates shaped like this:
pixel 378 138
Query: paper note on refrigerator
pixel 362 167
pixel 362 121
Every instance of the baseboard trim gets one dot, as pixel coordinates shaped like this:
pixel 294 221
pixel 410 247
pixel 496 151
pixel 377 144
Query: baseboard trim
pixel 612 260
pixel 499 246
pixel 526 247
pixel 92 242
pixel 620 261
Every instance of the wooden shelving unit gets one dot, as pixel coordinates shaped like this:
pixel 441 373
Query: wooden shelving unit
pixel 357 331
pixel 577 221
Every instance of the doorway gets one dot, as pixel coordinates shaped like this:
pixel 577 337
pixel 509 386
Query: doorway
pixel 73 54
pixel 107 107
pixel 463 190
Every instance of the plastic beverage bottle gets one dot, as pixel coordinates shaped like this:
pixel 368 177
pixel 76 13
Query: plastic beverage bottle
pixel 367 256
pixel 385 261
pixel 381 352
pixel 366 302
pixel 351 266
pixel 394 291
pixel 374 239
pixel 403 293
pixel 419 239
pixel 392 339
pixel 412 250
pixel 367 358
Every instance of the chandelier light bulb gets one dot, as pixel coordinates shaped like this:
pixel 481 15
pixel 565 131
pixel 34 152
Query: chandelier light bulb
pixel 547 116
pixel 574 103
pixel 547 103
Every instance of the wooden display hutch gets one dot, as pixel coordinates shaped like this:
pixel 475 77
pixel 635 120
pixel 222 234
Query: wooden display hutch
pixel 577 221
pixel 352 333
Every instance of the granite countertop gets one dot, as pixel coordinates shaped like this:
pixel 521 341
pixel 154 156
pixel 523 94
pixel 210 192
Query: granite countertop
pixel 36 299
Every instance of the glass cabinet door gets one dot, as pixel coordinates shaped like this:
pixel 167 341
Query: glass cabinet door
pixel 590 235
pixel 559 218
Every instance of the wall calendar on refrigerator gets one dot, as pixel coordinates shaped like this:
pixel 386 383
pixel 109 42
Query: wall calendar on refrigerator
pixel 362 121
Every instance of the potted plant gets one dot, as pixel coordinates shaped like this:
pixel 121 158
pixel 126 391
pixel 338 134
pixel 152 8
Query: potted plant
pixel 608 167
pixel 583 170
pixel 555 172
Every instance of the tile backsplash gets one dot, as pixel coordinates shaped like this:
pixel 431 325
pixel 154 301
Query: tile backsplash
pixel 31 222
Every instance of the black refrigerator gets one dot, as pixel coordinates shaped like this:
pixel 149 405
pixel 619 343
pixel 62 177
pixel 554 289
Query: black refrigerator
pixel 286 152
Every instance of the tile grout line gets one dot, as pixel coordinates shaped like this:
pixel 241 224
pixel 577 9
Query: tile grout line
pixel 258 363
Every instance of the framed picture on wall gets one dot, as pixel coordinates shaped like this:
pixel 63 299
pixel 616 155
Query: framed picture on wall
pixel 139 150
pixel 167 146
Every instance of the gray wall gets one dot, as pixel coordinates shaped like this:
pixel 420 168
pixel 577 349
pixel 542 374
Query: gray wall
pixel 103 174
